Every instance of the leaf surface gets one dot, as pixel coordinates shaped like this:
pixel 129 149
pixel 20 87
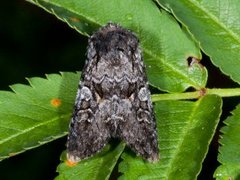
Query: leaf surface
pixel 34 115
pixel 185 130
pixel 165 45
pixel 229 154
pixel 100 166
pixel 215 24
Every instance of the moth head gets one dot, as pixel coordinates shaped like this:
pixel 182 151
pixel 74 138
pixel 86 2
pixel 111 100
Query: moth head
pixel 112 41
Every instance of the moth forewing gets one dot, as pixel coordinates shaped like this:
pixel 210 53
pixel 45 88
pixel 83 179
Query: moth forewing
pixel 113 99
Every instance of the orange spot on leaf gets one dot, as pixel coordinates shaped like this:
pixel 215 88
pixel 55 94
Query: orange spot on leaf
pixel 70 163
pixel 56 102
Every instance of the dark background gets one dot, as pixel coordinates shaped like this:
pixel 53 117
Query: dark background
pixel 34 43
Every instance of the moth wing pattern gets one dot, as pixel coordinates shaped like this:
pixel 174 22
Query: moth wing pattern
pixel 113 99
pixel 140 131
pixel 87 134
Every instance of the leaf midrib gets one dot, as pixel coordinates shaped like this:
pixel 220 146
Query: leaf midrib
pixel 178 149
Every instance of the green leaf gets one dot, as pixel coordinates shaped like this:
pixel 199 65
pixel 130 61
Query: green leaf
pixel 215 24
pixel 34 115
pixel 100 166
pixel 185 130
pixel 229 152
pixel 166 46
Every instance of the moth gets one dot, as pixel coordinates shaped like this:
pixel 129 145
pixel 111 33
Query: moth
pixel 113 98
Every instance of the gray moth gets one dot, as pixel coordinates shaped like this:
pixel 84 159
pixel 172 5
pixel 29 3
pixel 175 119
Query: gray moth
pixel 113 99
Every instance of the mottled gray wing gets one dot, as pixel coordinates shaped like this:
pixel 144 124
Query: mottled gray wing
pixel 113 98
pixel 87 132
pixel 139 128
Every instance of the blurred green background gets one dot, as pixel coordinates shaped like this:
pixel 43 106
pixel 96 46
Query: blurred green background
pixel 34 43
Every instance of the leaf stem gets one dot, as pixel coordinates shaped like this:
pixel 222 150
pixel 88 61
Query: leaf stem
pixel 197 94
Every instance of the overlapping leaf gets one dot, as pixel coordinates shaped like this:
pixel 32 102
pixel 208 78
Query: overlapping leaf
pixel 166 46
pixel 185 130
pixel 39 113
pixel 229 155
pixel 98 167
pixel 215 24
pixel 36 114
